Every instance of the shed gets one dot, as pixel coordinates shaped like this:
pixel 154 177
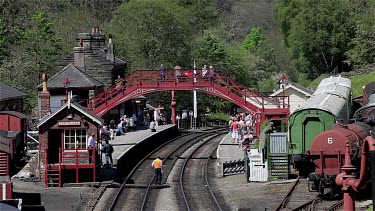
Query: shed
pixel 63 145
pixel 11 99
pixel 297 95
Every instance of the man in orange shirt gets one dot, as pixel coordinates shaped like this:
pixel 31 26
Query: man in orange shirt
pixel 158 167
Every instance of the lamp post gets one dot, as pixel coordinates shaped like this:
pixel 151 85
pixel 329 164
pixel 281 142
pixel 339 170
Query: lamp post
pixel 66 86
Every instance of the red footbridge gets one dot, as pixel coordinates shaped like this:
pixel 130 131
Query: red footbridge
pixel 143 82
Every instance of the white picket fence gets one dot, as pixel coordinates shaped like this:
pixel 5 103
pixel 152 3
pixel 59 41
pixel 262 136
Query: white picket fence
pixel 258 169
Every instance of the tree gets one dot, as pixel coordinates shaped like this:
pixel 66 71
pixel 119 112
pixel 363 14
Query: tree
pixel 35 49
pixel 202 14
pixel 363 51
pixel 317 35
pixel 263 65
pixel 254 39
pixel 3 47
pixel 148 33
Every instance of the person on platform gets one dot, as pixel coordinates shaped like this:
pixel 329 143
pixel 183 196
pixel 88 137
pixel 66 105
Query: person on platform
pixel 152 126
pixel 246 141
pixel 230 126
pixel 91 146
pixel 157 164
pixel 156 119
pixel 235 127
pixel 108 150
pixel 112 129
pixel 121 126
pixel 147 119
pixel 135 120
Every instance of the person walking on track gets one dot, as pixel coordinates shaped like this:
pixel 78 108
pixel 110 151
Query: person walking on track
pixel 158 167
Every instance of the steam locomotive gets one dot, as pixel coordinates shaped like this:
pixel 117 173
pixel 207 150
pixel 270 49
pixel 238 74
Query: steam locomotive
pixel 330 102
pixel 327 151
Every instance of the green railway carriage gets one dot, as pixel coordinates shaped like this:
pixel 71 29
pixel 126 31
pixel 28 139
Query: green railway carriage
pixel 304 125
pixel 331 102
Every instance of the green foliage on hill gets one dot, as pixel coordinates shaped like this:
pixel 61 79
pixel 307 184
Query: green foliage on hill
pixel 325 36
pixel 359 81
pixel 239 38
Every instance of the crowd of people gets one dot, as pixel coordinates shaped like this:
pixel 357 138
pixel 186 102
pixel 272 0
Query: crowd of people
pixel 242 129
pixel 205 73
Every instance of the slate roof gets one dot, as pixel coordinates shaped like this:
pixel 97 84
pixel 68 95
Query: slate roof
pixel 103 52
pixel 8 92
pixel 14 113
pixel 76 106
pixel 77 78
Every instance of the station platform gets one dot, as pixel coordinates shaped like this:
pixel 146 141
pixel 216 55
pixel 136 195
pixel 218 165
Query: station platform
pixel 124 147
pixel 228 150
pixel 121 144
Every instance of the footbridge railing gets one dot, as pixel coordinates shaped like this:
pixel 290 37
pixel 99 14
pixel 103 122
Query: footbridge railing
pixel 187 79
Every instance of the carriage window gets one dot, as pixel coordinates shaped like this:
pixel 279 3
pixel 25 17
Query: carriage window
pixel 75 139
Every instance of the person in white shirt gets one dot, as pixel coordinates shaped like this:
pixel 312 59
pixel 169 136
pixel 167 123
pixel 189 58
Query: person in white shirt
pixel 91 146
pixel 156 118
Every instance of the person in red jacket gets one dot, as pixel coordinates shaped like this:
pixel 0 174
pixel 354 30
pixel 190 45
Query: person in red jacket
pixel 235 128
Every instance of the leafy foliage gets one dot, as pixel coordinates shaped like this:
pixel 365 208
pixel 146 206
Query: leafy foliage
pixel 319 33
pixel 2 41
pixel 239 38
pixel 253 40
pixel 162 37
pixel 363 51
pixel 37 47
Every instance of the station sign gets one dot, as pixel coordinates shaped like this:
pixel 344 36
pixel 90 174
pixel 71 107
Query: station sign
pixel 69 123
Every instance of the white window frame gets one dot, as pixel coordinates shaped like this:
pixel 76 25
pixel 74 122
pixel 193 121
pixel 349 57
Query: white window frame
pixel 84 143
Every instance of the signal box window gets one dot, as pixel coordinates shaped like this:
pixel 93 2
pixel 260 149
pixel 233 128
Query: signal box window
pixel 75 138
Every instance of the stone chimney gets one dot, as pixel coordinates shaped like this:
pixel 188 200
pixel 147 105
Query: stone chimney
pixel 110 54
pixel 79 55
pixel 44 98
pixel 97 38
pixel 85 39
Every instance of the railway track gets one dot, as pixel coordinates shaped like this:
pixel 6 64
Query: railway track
pixel 137 189
pixel 299 198
pixel 194 179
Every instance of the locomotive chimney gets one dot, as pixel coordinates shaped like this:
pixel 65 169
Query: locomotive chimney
pixel 44 96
